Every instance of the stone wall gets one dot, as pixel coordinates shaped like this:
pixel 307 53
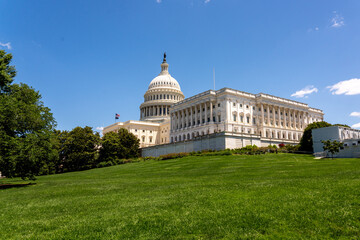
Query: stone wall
pixel 212 141
pixel 215 141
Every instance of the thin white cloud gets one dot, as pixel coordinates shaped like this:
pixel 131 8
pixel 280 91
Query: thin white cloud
pixel 207 1
pixel 316 29
pixel 8 45
pixel 337 21
pixel 99 128
pixel 357 125
pixel 158 1
pixel 355 114
pixel 347 87
pixel 305 91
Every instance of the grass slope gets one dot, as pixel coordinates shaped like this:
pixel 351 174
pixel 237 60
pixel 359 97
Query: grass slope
pixel 271 196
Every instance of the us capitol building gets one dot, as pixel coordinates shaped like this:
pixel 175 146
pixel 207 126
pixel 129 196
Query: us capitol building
pixel 215 119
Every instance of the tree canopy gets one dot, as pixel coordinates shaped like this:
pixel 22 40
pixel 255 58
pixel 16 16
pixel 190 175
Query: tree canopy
pixel 78 149
pixel 26 126
pixel 332 146
pixel 306 142
pixel 122 144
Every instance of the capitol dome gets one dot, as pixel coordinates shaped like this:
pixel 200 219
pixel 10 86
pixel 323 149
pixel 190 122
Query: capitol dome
pixel 164 81
pixel 163 91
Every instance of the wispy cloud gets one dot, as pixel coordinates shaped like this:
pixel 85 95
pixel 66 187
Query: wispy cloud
pixel 357 125
pixel 347 87
pixel 158 1
pixel 305 91
pixel 99 128
pixel 337 21
pixel 355 114
pixel 8 45
pixel 207 1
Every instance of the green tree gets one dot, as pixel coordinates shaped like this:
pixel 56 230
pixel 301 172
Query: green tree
pixel 79 149
pixel 26 127
pixel 118 146
pixel 332 146
pixel 341 125
pixel 306 143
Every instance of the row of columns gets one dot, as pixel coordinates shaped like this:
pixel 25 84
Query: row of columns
pixel 162 96
pixel 281 134
pixel 294 122
pixel 160 110
pixel 193 115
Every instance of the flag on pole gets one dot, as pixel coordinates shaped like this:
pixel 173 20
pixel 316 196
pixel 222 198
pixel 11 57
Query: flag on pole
pixel 117 116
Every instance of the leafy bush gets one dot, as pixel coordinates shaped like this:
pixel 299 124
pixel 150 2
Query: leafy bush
pixel 173 155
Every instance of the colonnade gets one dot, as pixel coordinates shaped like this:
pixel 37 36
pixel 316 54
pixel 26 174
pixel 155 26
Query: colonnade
pixel 193 115
pixel 157 110
pixel 282 117
pixel 160 96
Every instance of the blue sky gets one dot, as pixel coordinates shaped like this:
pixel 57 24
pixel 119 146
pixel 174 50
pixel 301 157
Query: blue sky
pixel 92 59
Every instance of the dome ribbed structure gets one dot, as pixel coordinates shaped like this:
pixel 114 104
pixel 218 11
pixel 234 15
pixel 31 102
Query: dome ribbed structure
pixel 163 91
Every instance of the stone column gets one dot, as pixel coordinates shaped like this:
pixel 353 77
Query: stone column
pixel 187 117
pixel 290 118
pixel 274 119
pixel 228 111
pixel 268 115
pixel 279 117
pixel 205 112
pixel 191 116
pixel 196 114
pixel 200 113
pixel 183 118
pixel 171 123
pixel 303 120
pixel 262 115
pixel 285 118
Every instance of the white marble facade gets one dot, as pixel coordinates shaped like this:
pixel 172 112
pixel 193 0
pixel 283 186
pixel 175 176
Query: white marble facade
pixel 251 115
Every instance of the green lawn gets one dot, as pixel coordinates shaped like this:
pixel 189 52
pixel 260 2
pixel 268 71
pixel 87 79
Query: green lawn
pixel 273 196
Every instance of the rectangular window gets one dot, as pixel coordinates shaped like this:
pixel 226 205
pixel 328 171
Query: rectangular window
pixel 234 104
pixel 240 105
pixel 248 119
pixel 254 120
pixel 218 104
pixel 234 117
pixel 241 119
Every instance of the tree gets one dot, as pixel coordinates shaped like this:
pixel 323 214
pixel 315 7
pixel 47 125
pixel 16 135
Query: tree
pixel 118 146
pixel 341 125
pixel 306 143
pixel 78 150
pixel 332 146
pixel 26 127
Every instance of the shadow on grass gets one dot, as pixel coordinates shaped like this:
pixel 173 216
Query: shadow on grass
pixel 11 185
